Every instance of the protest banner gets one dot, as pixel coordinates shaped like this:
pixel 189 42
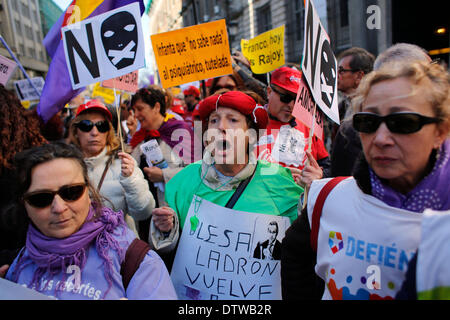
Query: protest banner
pixel 127 82
pixel 305 107
pixel 26 92
pixel 13 291
pixel 193 53
pixel 106 46
pixel 7 68
pixel 265 52
pixel 106 93
pixel 319 64
pixel 229 258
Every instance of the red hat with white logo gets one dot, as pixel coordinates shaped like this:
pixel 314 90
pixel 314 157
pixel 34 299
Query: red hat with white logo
pixel 235 100
pixel 287 78
pixel 95 105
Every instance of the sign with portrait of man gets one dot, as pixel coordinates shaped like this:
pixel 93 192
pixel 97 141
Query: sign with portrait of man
pixel 230 257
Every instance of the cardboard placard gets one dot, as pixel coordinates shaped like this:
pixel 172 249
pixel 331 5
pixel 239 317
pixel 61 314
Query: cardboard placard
pixel 127 82
pixel 105 46
pixel 265 52
pixel 319 64
pixel 7 68
pixel 193 53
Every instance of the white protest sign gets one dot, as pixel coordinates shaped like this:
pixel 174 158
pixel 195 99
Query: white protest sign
pixel 13 291
pixel 320 65
pixel 231 255
pixel 7 68
pixel 25 90
pixel 105 46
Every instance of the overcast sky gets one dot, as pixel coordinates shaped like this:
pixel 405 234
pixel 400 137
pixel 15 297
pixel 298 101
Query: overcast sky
pixel 63 4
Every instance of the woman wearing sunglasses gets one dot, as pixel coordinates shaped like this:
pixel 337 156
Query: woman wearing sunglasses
pixel 358 234
pixel 75 246
pixel 114 173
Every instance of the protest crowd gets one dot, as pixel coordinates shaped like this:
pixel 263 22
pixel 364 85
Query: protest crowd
pixel 218 190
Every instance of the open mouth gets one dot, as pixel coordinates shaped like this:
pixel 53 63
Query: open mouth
pixel 223 145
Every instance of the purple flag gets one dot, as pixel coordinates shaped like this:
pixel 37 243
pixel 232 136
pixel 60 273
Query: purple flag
pixel 58 90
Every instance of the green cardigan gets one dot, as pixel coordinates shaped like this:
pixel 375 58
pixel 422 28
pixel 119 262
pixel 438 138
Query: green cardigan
pixel 275 194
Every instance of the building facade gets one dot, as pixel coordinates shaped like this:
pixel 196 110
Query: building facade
pixel 371 24
pixel 21 28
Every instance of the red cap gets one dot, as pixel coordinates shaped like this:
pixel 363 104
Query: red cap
pixel 177 106
pixel 192 91
pixel 236 100
pixel 95 105
pixel 287 78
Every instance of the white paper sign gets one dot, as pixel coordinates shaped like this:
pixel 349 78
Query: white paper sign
pixel 105 46
pixel 7 68
pixel 231 255
pixel 25 90
pixel 320 65
pixel 13 291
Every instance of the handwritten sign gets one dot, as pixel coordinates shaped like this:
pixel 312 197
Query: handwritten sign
pixel 266 51
pixel 304 109
pixel 105 46
pixel 193 53
pixel 127 82
pixel 229 258
pixel 25 90
pixel 7 68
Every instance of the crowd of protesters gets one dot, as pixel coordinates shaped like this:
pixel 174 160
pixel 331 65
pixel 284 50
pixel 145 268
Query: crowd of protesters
pixel 78 190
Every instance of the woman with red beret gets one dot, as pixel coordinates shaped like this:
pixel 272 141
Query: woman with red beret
pixel 228 176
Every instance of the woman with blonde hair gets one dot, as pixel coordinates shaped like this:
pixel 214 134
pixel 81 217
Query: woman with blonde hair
pixel 114 173
pixel 356 236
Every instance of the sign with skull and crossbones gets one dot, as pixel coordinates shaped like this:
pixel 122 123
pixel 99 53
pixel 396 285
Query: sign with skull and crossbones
pixel 105 46
pixel 319 64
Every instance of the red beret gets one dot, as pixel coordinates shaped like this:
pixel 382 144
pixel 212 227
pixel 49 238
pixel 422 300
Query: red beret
pixel 287 78
pixel 95 105
pixel 192 91
pixel 235 100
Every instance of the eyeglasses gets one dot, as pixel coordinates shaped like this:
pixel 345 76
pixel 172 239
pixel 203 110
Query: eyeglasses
pixel 284 97
pixel 401 122
pixel 44 198
pixel 342 70
pixel 88 125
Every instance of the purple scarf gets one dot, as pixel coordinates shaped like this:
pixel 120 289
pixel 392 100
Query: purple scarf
pixel 433 192
pixel 52 255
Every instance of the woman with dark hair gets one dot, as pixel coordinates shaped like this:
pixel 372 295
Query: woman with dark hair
pixel 19 130
pixel 71 236
pixel 174 139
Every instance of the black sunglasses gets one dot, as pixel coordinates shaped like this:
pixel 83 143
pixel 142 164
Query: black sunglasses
pixel 284 97
pixel 44 198
pixel 88 125
pixel 401 122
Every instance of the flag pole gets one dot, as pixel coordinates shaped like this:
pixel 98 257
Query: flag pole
pixel 119 125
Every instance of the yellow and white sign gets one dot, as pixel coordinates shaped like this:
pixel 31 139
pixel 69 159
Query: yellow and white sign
pixel 105 93
pixel 193 53
pixel 266 51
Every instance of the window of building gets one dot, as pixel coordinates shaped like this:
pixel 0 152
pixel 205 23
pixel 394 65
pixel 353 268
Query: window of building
pixel 32 52
pixel 264 18
pixel 299 12
pixel 24 10
pixel 29 32
pixel 18 27
pixel 343 9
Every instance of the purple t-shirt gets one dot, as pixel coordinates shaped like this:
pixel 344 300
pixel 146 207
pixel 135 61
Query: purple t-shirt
pixel 150 282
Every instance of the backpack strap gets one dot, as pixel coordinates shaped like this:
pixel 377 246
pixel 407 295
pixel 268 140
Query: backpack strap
pixel 133 258
pixel 239 190
pixel 318 206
